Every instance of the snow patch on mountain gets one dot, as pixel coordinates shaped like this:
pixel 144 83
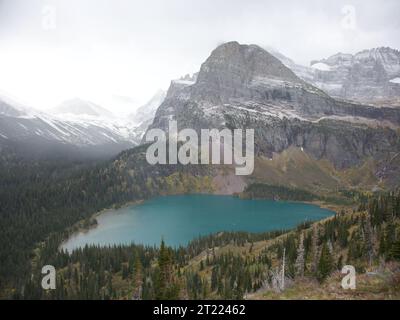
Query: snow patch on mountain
pixel 321 66
pixel 76 122
pixel 82 107
pixel 148 110
pixel 366 76
pixel 144 115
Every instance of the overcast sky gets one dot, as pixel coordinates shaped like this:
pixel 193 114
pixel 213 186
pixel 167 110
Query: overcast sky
pixel 53 50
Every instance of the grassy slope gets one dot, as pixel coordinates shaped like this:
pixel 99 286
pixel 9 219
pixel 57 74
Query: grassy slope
pixel 296 169
pixel 377 282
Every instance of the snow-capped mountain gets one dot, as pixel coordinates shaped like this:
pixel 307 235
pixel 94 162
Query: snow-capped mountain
pixel 77 126
pixel 303 72
pixel 10 107
pixel 371 76
pixel 6 109
pixel 144 116
pixel 147 111
pixel 244 86
pixel 80 107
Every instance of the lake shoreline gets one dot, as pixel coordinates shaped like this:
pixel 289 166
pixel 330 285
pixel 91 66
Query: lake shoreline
pixel 82 226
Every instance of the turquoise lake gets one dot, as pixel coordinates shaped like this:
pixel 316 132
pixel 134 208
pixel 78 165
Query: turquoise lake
pixel 179 219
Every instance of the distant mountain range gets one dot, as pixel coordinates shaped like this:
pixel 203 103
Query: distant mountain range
pixel 369 76
pixel 76 128
pixel 338 116
pixel 81 107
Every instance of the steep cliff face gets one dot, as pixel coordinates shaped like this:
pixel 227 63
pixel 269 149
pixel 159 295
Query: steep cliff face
pixel 368 76
pixel 241 86
pixel 232 70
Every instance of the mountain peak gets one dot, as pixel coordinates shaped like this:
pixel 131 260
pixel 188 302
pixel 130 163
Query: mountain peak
pixel 78 106
pixel 232 67
pixel 247 61
pixel 146 112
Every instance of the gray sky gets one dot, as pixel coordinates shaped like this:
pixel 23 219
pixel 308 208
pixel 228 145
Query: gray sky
pixel 54 50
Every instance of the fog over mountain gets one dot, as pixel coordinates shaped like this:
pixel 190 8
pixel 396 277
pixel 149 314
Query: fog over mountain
pixel 96 50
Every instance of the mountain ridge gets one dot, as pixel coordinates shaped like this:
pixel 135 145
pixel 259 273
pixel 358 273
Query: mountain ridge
pixel 368 76
pixel 78 106
pixel 283 109
pixel 42 135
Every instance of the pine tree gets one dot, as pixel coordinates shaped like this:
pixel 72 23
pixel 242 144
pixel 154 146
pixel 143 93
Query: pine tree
pixel 138 279
pixel 339 264
pixel 395 251
pixel 390 235
pixel 382 243
pixel 314 242
pixel 343 235
pixel 368 236
pixel 325 265
pixel 214 279
pixel 299 265
pixel 162 275
pixel 165 287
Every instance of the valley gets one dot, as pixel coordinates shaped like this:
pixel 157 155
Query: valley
pixel 309 148
pixel 242 265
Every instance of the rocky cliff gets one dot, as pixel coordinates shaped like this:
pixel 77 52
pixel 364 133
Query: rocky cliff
pixel 369 76
pixel 243 86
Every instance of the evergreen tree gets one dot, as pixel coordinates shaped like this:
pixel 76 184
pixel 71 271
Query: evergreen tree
pixel 165 288
pixel 314 242
pixel 325 265
pixel 138 279
pixel 300 257
pixel 369 242
pixel 214 279
pixel 395 251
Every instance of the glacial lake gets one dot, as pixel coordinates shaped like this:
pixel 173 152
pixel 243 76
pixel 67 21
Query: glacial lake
pixel 179 219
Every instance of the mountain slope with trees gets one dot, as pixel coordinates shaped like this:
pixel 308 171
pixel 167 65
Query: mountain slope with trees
pixel 242 265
